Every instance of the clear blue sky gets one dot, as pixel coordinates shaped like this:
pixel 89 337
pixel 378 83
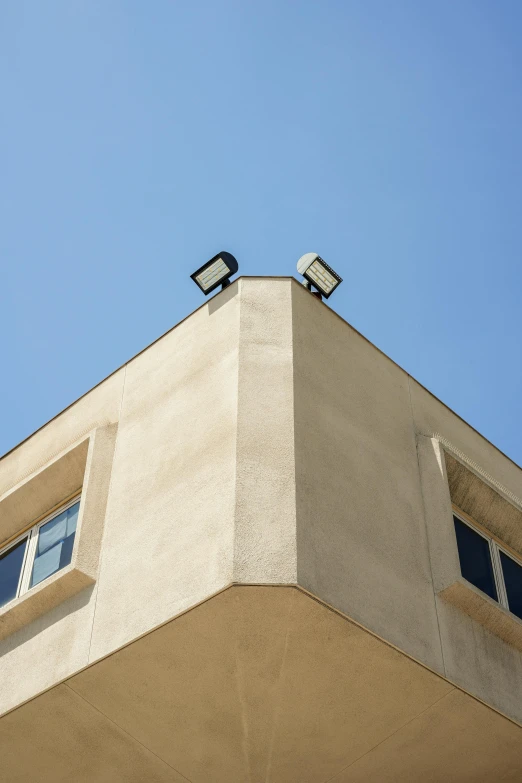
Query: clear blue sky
pixel 140 138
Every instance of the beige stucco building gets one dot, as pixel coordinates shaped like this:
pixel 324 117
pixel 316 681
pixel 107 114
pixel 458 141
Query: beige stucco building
pixel 264 584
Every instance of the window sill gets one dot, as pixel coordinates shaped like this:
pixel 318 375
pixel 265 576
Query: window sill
pixel 484 610
pixel 42 598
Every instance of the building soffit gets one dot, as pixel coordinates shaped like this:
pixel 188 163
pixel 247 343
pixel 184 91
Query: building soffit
pixel 242 687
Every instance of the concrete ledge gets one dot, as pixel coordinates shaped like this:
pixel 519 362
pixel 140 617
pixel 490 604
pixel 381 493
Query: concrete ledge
pixel 40 492
pixel 484 610
pixel 474 495
pixel 42 598
pixel 86 465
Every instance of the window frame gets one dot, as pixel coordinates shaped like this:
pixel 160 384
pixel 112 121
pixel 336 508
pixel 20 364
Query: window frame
pixel 495 547
pixel 31 534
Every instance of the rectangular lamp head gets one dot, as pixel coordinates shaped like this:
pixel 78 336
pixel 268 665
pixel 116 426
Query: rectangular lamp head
pixel 215 272
pixel 322 277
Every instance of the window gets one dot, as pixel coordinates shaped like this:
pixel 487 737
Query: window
pixel 38 553
pixel 488 566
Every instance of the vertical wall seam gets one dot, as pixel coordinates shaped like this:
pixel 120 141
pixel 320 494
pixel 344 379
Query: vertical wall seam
pixel 238 386
pixel 294 427
pixel 106 516
pixel 426 526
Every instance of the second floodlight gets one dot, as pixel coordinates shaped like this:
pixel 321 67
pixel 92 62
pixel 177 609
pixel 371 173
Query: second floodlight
pixel 217 271
pixel 319 274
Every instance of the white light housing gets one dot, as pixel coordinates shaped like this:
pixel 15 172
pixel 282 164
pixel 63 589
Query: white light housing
pixel 217 271
pixel 319 274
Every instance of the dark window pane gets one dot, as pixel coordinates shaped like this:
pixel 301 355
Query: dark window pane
pixel 475 559
pixel 513 581
pixel 10 568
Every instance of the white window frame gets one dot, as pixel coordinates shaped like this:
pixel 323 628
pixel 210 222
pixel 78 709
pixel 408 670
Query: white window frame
pixel 495 548
pixel 30 550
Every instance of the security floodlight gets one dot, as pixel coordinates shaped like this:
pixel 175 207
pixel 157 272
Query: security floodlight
pixel 318 274
pixel 217 271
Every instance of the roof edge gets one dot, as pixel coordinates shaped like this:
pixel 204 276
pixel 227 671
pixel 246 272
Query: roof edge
pixel 254 277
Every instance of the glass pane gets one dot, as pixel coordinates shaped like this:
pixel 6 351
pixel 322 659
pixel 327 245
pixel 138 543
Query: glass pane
pixel 475 559
pixel 52 533
pixel 72 518
pixel 513 581
pixel 10 568
pixel 55 544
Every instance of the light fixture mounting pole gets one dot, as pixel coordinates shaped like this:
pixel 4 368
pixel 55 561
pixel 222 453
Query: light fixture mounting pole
pixel 315 293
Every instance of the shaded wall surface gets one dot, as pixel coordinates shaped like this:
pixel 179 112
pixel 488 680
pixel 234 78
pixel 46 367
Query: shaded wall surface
pixel 263 440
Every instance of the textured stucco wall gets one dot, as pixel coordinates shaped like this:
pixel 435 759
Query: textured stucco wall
pixel 57 643
pixel 361 538
pixel 98 407
pixel 263 440
pixel 474 657
pixel 375 533
pixel 169 527
pixel 264 538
